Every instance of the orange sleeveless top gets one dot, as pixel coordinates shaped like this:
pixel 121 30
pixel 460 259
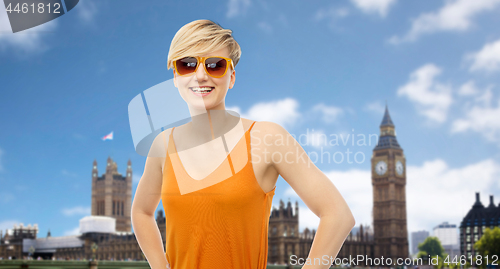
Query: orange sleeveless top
pixel 221 225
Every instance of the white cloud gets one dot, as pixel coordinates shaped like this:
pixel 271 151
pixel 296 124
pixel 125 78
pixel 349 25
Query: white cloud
pixel 237 7
pixel 449 192
pixel 487 59
pixel 431 98
pixel 27 41
pixel 74 231
pixel 330 113
pixel 77 210
pixel 469 88
pixel 481 117
pixel 283 112
pixel 266 27
pixel 455 15
pixel 374 6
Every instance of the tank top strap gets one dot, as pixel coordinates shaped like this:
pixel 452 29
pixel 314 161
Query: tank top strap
pixel 251 126
pixel 248 139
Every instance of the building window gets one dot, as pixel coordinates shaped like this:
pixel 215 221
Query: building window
pixel 468 238
pixel 113 207
pixel 122 208
pixel 484 228
pixel 475 229
pixel 293 231
pixel 284 234
pixel 468 247
pixel 475 238
pixel 467 230
pixel 275 230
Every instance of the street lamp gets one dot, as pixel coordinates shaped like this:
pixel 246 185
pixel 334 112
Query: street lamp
pixel 94 248
pixel 31 251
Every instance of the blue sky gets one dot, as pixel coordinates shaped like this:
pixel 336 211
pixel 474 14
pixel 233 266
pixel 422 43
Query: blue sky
pixel 316 68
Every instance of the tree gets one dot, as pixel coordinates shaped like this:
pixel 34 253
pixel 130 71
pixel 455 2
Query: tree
pixel 432 246
pixel 488 245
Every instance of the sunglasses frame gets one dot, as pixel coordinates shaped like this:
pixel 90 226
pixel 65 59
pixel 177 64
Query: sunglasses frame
pixel 202 60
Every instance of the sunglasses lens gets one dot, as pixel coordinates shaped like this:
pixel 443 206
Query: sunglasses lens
pixel 216 66
pixel 186 65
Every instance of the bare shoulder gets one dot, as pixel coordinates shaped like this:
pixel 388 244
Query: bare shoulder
pixel 159 145
pixel 269 128
pixel 158 150
pixel 268 132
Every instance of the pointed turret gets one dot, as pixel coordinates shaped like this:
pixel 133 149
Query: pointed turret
pixel 387 121
pixel 296 208
pixel 387 137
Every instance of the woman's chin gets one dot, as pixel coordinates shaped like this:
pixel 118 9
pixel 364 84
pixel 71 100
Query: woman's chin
pixel 203 105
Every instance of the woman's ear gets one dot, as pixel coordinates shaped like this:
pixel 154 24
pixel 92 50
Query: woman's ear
pixel 233 79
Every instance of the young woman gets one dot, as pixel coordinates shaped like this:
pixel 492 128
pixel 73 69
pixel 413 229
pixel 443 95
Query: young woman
pixel 219 171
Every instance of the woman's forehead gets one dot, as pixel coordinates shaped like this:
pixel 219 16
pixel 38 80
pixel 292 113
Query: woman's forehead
pixel 220 52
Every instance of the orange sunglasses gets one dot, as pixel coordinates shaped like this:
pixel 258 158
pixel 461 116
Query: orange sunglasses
pixel 215 66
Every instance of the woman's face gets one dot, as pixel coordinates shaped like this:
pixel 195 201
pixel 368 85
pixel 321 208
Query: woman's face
pixel 216 98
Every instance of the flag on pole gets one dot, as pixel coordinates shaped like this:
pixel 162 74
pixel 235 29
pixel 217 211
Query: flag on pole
pixel 108 136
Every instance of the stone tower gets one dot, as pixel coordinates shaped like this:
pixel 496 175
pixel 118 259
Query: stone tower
pixel 283 237
pixel 112 194
pixel 389 194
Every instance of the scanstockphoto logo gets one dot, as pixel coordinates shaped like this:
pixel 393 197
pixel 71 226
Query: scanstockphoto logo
pixel 26 14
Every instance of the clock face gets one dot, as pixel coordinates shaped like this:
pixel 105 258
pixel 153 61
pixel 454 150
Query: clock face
pixel 399 167
pixel 381 168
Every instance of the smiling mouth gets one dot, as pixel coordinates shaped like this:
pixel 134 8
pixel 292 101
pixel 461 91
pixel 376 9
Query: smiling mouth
pixel 201 90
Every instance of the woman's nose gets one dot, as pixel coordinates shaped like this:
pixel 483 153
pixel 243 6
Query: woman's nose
pixel 201 74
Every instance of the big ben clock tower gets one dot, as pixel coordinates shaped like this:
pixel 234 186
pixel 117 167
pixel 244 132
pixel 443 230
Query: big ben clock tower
pixel 389 194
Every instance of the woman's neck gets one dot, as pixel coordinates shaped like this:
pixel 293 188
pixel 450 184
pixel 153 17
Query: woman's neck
pixel 211 123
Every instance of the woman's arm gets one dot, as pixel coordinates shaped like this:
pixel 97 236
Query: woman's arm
pixel 146 199
pixel 316 190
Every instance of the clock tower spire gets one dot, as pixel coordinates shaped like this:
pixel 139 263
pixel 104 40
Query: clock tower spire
pixel 389 194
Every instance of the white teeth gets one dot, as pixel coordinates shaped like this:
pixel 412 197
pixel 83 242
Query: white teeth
pixel 201 90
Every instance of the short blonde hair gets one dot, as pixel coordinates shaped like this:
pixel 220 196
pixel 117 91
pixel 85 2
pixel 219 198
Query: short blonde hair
pixel 201 37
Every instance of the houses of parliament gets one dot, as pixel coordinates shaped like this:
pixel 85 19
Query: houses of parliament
pixel 109 226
